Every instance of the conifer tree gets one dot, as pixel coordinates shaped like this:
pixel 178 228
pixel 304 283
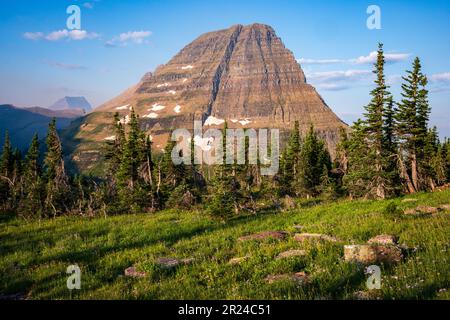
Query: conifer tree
pixel 289 177
pixel 225 193
pixel 32 167
pixel 314 157
pixel 31 202
pixel 446 156
pixel 6 166
pixel 327 188
pixel 6 161
pixel 358 179
pixel 377 125
pixel 412 118
pixel 115 148
pixel 57 186
pixel 128 172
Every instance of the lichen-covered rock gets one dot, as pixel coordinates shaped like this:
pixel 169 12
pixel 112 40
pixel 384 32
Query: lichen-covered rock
pixel 299 278
pixel 366 295
pixel 170 263
pixel 427 209
pixel 133 273
pixel 291 253
pixel 302 237
pixel 409 200
pixel 422 210
pixel 372 254
pixel 236 261
pixel 384 239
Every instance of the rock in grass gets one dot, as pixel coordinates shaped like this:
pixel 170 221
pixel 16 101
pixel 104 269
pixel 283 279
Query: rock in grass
pixel 299 278
pixel 133 273
pixel 169 263
pixel 409 200
pixel 302 237
pixel 386 239
pixel 371 254
pixel 366 295
pixel 422 210
pixel 236 261
pixel 427 209
pixel 291 253
pixel 280 235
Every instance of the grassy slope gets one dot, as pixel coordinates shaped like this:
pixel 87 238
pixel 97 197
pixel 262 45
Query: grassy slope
pixel 34 256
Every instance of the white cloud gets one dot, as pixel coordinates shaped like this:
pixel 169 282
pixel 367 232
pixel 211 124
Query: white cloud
pixel 61 34
pixel 338 80
pixel 389 57
pixel 33 35
pixel 369 59
pixel 320 61
pixel 440 77
pixel 339 75
pixel 65 66
pixel 333 86
pixel 440 82
pixel 440 89
pixel 82 34
pixel 136 37
pixel 57 35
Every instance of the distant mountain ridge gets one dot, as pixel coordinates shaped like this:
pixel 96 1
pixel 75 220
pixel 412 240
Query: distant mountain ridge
pixel 66 113
pixel 23 123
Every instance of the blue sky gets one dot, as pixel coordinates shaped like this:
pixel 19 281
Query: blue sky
pixel 41 62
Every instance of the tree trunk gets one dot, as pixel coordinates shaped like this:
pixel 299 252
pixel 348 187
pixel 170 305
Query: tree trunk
pixel 404 175
pixel 380 187
pixel 414 175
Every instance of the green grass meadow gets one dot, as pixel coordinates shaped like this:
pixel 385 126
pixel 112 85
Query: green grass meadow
pixel 34 255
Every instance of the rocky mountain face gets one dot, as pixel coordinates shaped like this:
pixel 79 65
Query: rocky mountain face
pixel 243 75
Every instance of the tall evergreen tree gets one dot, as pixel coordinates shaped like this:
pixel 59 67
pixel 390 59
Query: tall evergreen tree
pixel 115 148
pixel 6 167
pixel 359 177
pixel 314 158
pixel 377 126
pixel 57 187
pixel 31 202
pixel 412 117
pixel 32 166
pixel 225 190
pixel 6 160
pixel 446 156
pixel 289 177
pixel 128 172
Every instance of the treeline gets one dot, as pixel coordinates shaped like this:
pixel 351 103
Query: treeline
pixel 391 151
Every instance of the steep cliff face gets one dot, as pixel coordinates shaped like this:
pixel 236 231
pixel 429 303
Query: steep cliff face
pixel 243 75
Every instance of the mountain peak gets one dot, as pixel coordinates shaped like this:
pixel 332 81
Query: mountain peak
pixel 243 75
pixel 79 103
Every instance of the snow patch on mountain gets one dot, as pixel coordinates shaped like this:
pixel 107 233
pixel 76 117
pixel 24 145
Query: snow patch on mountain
pixel 213 121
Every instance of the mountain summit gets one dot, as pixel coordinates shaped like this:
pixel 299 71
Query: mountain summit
pixel 243 75
pixel 72 103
